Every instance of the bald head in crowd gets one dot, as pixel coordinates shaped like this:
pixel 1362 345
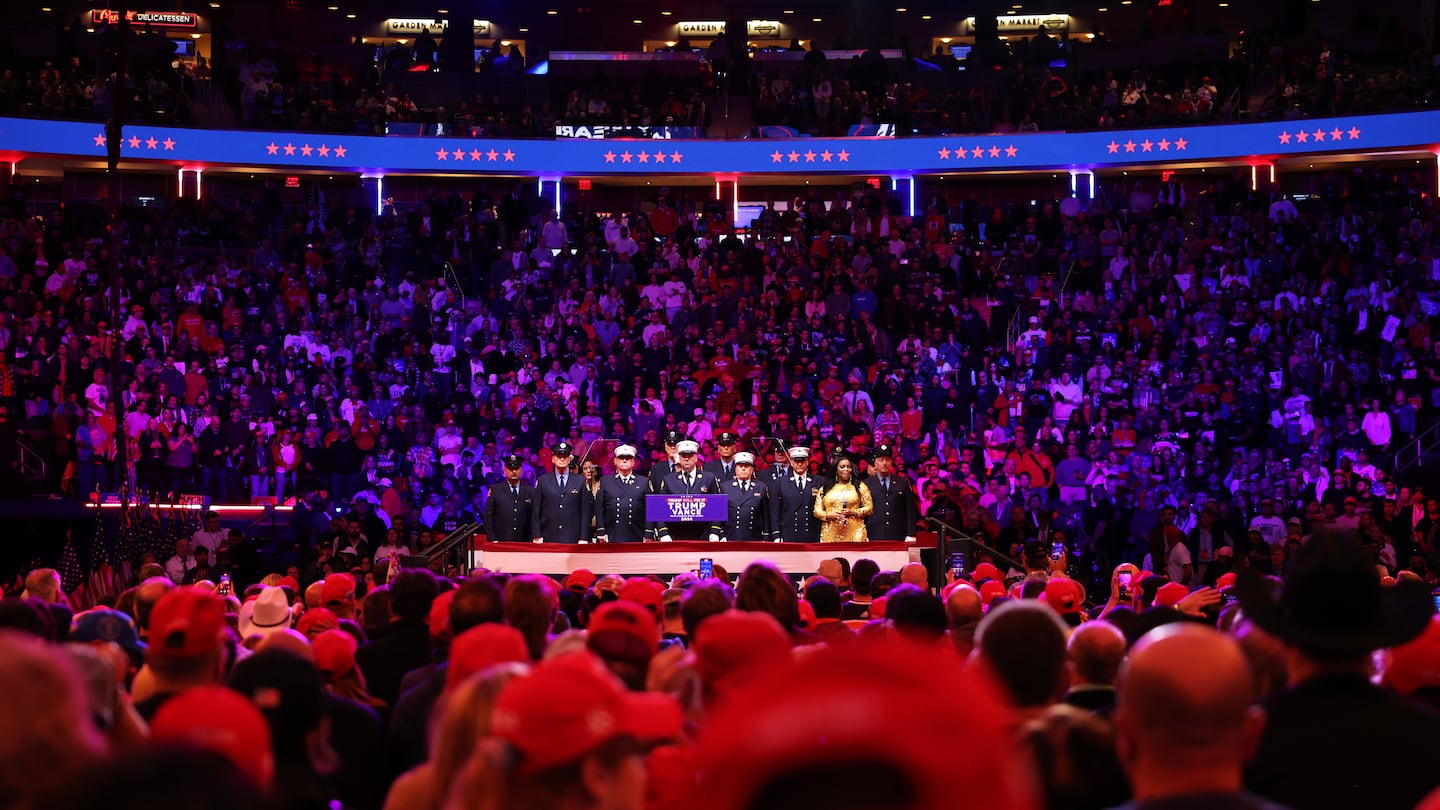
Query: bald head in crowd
pixel 915 574
pixel 963 612
pixel 1184 719
pixel 1096 650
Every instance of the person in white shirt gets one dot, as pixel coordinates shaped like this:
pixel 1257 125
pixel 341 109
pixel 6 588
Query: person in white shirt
pixel 1178 565
pixel 182 563
pixel 1376 425
pixel 392 549
pixel 1069 394
pixel 97 395
pixel 1271 527
pixel 211 536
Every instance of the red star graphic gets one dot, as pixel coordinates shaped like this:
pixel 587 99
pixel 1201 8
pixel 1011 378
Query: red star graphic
pixel 643 156
pixel 844 156
pixel 944 153
pixel 625 157
pixel 659 156
pixel 289 149
pixel 809 155
pixel 1336 133
pixel 1164 145
pixel 794 156
pixel 1112 147
pixel 609 156
pixel 1146 145
pixel 509 156
pixel 960 153
pixel 325 151
pixel 1319 135
pixel 994 151
pixel 1284 137
pixel 458 154
pixel 492 156
pixel 1011 151
pixel 1302 136
pixel 151 143
pixel 169 145
pixel 1353 132
pixel 475 154
pixel 776 156
pixel 1181 143
pixel 272 149
pixel 826 155
pixel 1129 146
pixel 306 149
pixel 977 152
pixel 339 151
pixel 675 157
pixel 100 139
pixel 135 142
pixel 440 154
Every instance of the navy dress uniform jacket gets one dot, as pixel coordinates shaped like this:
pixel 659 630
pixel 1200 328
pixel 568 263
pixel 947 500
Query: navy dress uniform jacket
pixel 562 516
pixel 620 509
pixel 717 469
pixel 674 484
pixel 510 519
pixel 895 509
pixel 749 506
pixel 792 509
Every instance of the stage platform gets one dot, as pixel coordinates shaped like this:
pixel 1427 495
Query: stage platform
pixel 676 558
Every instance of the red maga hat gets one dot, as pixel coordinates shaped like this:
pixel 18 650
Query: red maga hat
pixel 569 706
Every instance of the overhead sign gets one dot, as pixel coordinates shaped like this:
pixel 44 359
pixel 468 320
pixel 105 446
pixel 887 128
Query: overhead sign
pixel 700 28
pixel 1158 148
pixel 762 28
pixel 159 19
pixel 1028 23
pixel 412 26
pixel 596 133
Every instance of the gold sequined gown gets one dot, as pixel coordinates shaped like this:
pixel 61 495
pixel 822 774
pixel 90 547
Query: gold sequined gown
pixel 827 509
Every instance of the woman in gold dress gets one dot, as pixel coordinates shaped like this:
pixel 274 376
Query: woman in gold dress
pixel 843 505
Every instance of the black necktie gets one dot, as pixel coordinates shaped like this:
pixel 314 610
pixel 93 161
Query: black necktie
pixel 515 491
pixel 885 482
pixel 563 479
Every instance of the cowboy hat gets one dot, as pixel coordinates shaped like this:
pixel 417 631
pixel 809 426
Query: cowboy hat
pixel 1332 604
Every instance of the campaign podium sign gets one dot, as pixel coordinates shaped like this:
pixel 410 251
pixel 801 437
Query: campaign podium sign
pixel 687 508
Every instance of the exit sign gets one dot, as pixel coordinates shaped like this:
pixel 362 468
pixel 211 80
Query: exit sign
pixel 292 182
pixel 584 185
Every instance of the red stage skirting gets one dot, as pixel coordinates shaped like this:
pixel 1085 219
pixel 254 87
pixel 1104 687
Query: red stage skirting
pixel 675 558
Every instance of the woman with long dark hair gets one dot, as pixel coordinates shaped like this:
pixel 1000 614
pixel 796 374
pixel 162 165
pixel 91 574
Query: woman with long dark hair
pixel 843 505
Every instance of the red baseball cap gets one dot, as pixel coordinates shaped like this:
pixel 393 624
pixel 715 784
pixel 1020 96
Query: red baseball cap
pixel 877 608
pixel 1416 663
pixel 580 580
pixel 1225 581
pixel 670 777
pixel 1170 594
pixel 316 621
pixel 643 591
pixel 807 615
pixel 440 615
pixel 482 647
pixel 291 583
pixel 220 720
pixel 991 590
pixel 1064 595
pixel 334 653
pixel 187 623
pixel 736 643
pixel 337 588
pixel 623 631
pixel 569 706
pixel 986 571
pixel 867 702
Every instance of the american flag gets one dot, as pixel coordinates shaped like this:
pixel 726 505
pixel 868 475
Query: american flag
pixel 72 575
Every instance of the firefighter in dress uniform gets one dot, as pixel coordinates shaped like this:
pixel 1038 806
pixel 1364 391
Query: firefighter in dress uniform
pixel 620 502
pixel 510 509
pixel 749 506
pixel 562 504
